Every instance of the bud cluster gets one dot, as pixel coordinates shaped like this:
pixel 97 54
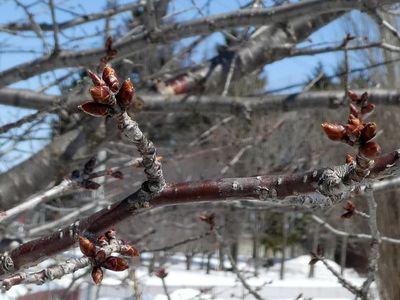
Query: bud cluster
pixel 106 93
pixel 357 131
pixel 101 256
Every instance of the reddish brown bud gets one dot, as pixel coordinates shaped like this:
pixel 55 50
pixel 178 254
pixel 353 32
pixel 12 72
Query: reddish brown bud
pixel 364 98
pixel 354 110
pixel 97 81
pixel 129 250
pixel 97 275
pixel 117 174
pixel 126 94
pixel 370 149
pixel 115 264
pixel 350 208
pixel 96 109
pixel 335 132
pixel 353 96
pixel 110 78
pixel 349 159
pixel 89 185
pixel 101 94
pixel 367 108
pixel 368 132
pixel 161 273
pixel 354 120
pixel 87 247
pixel 100 256
pixel 89 165
pixel 353 132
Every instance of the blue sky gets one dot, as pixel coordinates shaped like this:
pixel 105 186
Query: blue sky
pixel 280 74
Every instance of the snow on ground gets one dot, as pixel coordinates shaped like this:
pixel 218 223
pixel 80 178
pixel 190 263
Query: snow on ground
pixel 185 285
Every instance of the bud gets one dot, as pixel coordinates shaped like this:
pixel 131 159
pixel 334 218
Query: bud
pixel 87 247
pixel 129 250
pixel 353 96
pixel 349 159
pixel 97 275
pixel 126 94
pixel 115 264
pixel 100 256
pixel 354 110
pixel 96 109
pixel 365 109
pixel 110 78
pixel 101 94
pixel 89 165
pixel 350 208
pixel 370 149
pixel 97 81
pixel 368 132
pixel 353 132
pixel 89 185
pixel 335 132
pixel 364 98
pixel 354 120
pixel 117 174
pixel 160 273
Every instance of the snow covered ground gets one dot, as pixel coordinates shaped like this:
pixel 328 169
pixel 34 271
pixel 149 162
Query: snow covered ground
pixel 195 284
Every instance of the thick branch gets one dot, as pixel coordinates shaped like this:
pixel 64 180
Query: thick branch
pixel 304 190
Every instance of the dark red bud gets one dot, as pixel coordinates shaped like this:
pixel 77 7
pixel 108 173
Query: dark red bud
pixel 96 109
pixel 353 132
pixel 335 132
pixel 349 159
pixel 110 78
pixel 89 165
pixel 97 81
pixel 100 256
pixel 129 250
pixel 101 94
pixel 368 132
pixel 97 275
pixel 117 174
pixel 89 185
pixel 353 96
pixel 354 120
pixel 161 273
pixel 87 247
pixel 370 149
pixel 126 94
pixel 354 110
pixel 115 264
pixel 367 108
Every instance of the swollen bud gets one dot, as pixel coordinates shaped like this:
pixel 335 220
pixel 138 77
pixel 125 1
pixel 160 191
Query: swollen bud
pixel 100 256
pixel 370 149
pixel 353 96
pixel 97 81
pixel 101 94
pixel 87 247
pixel 126 94
pixel 367 108
pixel 161 273
pixel 97 275
pixel 368 132
pixel 335 132
pixel 129 250
pixel 115 264
pixel 96 109
pixel 110 78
